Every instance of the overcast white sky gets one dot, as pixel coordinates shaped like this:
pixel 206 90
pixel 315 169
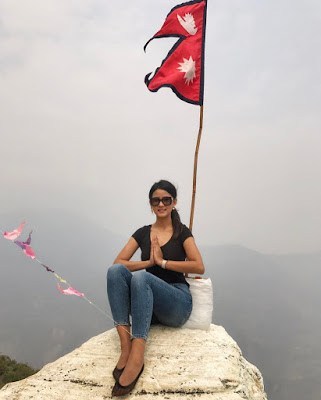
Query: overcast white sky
pixel 80 132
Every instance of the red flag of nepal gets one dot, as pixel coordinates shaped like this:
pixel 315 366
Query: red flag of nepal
pixel 183 68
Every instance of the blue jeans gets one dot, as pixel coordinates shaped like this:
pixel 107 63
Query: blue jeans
pixel 146 298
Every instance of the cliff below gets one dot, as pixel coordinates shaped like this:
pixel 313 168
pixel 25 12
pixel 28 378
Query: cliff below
pixel 179 363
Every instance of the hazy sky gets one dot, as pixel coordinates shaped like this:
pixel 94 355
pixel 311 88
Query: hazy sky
pixel 80 132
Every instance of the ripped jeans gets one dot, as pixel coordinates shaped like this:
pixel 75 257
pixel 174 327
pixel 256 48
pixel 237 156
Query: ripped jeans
pixel 147 299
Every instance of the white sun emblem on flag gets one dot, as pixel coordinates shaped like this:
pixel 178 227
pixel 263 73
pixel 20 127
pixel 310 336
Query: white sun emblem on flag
pixel 188 23
pixel 188 66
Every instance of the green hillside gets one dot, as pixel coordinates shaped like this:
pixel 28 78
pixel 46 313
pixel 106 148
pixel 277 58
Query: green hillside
pixel 11 371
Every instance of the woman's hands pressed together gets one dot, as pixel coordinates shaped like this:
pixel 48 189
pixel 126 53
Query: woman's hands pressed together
pixel 156 254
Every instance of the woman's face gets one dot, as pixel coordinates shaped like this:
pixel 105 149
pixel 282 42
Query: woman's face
pixel 162 210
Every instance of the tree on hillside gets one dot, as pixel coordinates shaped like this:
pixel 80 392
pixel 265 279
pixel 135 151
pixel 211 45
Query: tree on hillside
pixel 11 371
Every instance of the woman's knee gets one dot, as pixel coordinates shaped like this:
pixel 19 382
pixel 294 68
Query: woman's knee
pixel 139 278
pixel 115 271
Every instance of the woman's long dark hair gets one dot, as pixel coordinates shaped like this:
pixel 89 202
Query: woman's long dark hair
pixel 170 188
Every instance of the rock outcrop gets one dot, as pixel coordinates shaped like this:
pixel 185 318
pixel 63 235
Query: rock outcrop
pixel 180 364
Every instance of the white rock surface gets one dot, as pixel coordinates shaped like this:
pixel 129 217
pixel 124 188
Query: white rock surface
pixel 179 364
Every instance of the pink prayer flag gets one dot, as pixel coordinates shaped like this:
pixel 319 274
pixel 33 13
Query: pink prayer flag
pixel 15 233
pixel 25 246
pixel 70 291
pixel 29 252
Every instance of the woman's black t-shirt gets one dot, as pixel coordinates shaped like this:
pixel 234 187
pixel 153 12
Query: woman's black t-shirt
pixel 172 250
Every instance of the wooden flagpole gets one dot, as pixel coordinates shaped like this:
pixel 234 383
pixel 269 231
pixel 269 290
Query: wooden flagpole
pixel 195 168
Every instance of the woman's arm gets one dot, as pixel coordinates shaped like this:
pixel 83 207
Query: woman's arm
pixel 127 253
pixel 193 264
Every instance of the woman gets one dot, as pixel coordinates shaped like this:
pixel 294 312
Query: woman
pixel 158 291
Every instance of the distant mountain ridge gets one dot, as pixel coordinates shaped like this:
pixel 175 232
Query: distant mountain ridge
pixel 270 306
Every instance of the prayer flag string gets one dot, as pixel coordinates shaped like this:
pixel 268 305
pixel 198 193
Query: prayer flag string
pixel 61 282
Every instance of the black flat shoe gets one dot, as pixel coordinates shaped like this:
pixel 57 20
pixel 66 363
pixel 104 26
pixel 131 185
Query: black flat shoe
pixel 120 390
pixel 117 372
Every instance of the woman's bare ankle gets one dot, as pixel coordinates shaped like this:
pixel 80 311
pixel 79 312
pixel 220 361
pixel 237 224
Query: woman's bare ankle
pixel 134 363
pixel 123 358
pixel 125 345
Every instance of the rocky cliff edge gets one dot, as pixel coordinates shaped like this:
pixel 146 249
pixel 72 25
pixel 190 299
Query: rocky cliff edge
pixel 179 363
